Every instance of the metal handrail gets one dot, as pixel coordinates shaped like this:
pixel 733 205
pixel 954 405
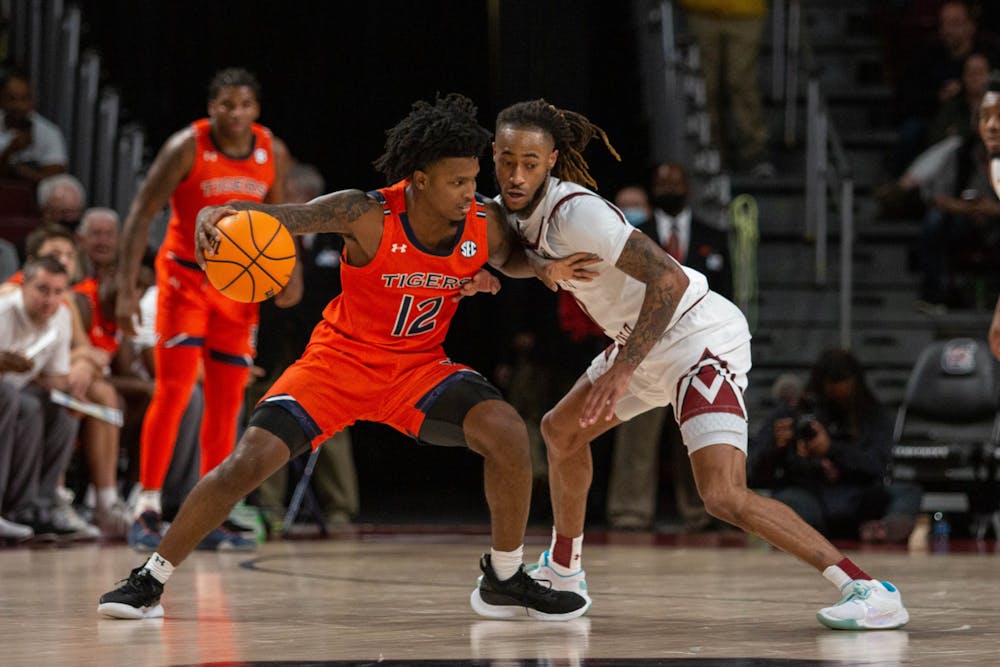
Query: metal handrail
pixel 827 168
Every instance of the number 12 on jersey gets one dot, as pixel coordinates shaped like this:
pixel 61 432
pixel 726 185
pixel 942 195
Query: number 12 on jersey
pixel 414 319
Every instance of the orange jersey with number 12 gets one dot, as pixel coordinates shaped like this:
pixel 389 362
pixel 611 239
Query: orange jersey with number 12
pixel 401 301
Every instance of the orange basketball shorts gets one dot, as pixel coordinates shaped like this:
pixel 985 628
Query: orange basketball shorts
pixel 329 389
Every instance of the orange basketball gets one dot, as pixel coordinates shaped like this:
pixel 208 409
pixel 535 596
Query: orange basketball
pixel 253 259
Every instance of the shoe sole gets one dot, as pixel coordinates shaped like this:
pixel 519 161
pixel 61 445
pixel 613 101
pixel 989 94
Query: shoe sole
pixel 892 621
pixel 129 613
pixel 512 611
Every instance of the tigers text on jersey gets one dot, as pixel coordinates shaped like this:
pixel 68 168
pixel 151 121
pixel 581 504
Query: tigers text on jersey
pixel 401 301
pixel 216 178
pixel 569 219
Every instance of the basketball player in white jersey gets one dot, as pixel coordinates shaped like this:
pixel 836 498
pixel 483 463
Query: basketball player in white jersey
pixel 675 342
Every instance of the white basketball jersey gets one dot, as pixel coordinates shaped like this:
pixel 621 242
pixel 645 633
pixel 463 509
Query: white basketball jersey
pixel 570 219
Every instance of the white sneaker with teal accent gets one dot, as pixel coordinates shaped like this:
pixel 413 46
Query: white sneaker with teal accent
pixel 868 604
pixel 542 571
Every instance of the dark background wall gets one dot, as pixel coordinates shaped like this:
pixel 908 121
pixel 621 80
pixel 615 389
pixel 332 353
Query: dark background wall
pixel 335 76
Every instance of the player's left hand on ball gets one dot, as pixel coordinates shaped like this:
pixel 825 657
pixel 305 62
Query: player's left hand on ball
pixel 206 237
pixel 483 281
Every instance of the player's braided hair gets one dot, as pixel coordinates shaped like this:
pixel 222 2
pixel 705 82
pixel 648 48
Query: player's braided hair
pixel 431 132
pixel 233 77
pixel 570 131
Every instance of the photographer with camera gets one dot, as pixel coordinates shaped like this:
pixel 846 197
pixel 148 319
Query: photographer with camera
pixel 828 456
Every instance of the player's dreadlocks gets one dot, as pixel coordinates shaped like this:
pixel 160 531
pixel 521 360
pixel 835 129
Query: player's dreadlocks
pixel 233 77
pixel 570 131
pixel 431 132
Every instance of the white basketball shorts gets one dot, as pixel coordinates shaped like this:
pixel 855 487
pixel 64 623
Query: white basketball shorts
pixel 700 367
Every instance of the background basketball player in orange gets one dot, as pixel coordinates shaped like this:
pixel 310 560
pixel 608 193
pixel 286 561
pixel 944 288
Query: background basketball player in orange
pixel 377 354
pixel 214 160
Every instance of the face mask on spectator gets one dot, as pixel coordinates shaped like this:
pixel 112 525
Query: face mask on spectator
pixel 635 216
pixel 671 204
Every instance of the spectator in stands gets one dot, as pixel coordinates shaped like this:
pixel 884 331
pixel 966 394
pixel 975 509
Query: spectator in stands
pixel 61 200
pixel 283 337
pixel 35 334
pixel 962 227
pixel 58 242
pixel 957 115
pixel 88 364
pixel 729 36
pixel 689 239
pixel 954 123
pixel 31 147
pixel 97 238
pixel 828 457
pixel 933 76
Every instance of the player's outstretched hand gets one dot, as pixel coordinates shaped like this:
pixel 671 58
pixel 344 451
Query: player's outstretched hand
pixel 573 267
pixel 206 237
pixel 483 281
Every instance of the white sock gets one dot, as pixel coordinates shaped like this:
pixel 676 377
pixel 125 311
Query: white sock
pixel 149 500
pixel 836 576
pixel 506 563
pixel 107 497
pixel 576 556
pixel 159 567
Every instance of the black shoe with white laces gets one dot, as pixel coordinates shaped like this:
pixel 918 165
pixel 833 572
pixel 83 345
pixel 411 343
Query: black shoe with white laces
pixel 138 597
pixel 521 595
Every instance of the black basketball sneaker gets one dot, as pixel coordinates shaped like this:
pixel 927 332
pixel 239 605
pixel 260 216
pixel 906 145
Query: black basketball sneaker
pixel 138 597
pixel 522 595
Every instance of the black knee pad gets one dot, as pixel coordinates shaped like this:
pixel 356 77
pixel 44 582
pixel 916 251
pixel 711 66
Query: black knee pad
pixel 282 424
pixel 447 404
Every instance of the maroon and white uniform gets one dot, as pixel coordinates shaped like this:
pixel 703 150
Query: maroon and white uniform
pixel 700 363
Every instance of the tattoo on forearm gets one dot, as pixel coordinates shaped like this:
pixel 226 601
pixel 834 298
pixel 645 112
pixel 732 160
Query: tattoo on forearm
pixel 640 260
pixel 333 213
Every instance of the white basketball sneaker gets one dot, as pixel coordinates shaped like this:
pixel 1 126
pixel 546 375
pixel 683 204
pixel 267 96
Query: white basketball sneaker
pixel 868 604
pixel 542 571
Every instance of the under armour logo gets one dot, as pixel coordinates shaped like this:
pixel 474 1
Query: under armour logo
pixel 399 247
pixel 210 156
pixel 159 560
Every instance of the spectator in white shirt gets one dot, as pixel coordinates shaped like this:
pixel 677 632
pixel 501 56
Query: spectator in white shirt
pixel 31 146
pixel 35 332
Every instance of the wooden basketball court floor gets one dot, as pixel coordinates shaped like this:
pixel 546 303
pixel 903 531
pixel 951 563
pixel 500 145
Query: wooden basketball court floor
pixel 401 598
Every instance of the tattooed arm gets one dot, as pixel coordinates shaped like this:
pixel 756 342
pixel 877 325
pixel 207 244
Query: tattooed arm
pixel 665 282
pixel 351 213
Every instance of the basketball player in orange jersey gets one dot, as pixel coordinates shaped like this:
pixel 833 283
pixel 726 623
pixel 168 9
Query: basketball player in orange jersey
pixel 410 250
pixel 214 160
